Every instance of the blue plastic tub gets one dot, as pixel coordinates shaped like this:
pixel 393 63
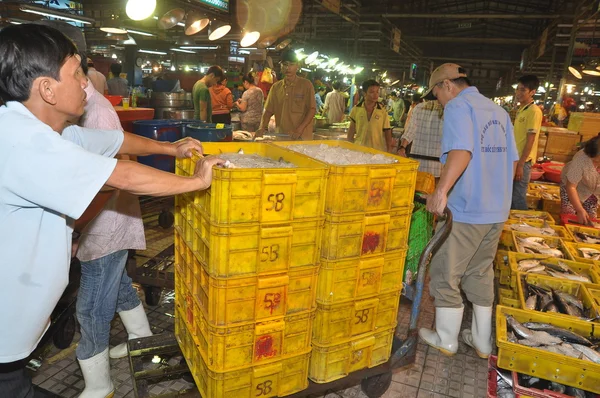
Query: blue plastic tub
pixel 206 132
pixel 160 130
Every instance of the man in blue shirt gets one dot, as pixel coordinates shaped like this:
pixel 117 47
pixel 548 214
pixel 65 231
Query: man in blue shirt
pixel 479 156
pixel 319 98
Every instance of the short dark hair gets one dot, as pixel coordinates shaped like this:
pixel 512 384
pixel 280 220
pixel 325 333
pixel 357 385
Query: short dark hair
pixel 217 71
pixel 462 82
pixel 369 83
pixel 116 69
pixel 29 51
pixel 417 98
pixel 531 82
pixel 591 147
pixel 336 85
pixel 321 88
pixel 249 78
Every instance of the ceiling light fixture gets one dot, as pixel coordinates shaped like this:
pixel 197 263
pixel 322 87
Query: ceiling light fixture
pixel 137 32
pixel 152 52
pixel 114 30
pixel 575 72
pixel 171 18
pixel 195 23
pixel 199 47
pixel 181 50
pixel 140 9
pixel 249 38
pixel 55 14
pixel 312 57
pixel 219 30
pixel 591 72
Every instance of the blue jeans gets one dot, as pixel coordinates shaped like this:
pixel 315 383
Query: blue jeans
pixel 519 194
pixel 105 288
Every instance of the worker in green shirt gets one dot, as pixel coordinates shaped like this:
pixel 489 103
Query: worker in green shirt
pixel 201 95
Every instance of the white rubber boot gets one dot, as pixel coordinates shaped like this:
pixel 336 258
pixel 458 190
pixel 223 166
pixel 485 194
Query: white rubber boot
pixel 96 374
pixel 480 335
pixel 136 324
pixel 447 327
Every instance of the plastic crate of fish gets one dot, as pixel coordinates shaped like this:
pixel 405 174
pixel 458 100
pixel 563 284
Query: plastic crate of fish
pixel 584 252
pixel 366 188
pixel 535 228
pixel 332 362
pixel 502 268
pixel 508 298
pixel 548 246
pixel 265 195
pixel 230 348
pixel 540 362
pixel 360 235
pixel 552 206
pixel 256 249
pixel 531 215
pixel 583 234
pixel 533 200
pixel 276 378
pixel 545 188
pixel 541 388
pixel 233 301
pixel 521 263
pixel 565 299
pixel 343 321
pixel 595 293
pixel 360 278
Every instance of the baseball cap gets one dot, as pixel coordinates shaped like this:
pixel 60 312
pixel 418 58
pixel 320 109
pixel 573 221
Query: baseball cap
pixel 289 56
pixel 447 71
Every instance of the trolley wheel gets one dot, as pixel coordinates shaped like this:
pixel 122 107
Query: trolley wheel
pixel 376 386
pixel 152 295
pixel 166 219
pixel 65 332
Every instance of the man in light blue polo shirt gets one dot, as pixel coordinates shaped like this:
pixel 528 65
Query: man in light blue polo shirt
pixel 48 177
pixel 479 156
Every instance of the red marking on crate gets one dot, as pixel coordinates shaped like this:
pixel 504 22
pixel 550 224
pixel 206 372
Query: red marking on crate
pixel 370 243
pixel 272 301
pixel 264 348
pixel 376 193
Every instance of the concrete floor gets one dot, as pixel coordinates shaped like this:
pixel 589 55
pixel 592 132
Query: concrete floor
pixel 432 376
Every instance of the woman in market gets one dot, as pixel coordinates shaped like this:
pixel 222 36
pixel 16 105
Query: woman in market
pixel 580 185
pixel 251 104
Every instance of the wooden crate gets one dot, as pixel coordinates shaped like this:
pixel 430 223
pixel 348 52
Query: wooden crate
pixel 585 123
pixel 561 143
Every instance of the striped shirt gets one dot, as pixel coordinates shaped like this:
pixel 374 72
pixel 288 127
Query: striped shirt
pixel 424 130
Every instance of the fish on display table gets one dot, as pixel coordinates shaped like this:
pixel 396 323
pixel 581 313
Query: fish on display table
pixel 587 238
pixel 538 298
pixel 545 230
pixel 537 245
pixel 589 253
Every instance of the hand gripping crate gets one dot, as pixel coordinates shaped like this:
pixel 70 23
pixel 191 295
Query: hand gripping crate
pixel 274 379
pixel 359 278
pixel 229 348
pixel 343 321
pixel 332 362
pixel 576 289
pixel 358 235
pixel 260 195
pixel 543 364
pixel 366 188
pixel 256 249
pixel 234 301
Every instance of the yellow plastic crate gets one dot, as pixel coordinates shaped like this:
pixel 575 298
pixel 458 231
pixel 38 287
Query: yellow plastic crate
pixel 573 288
pixel 367 188
pixel 255 249
pixel 230 348
pixel 530 215
pixel 508 298
pixel 234 301
pixel 506 237
pixel 553 242
pixel 339 322
pixel 275 379
pixel 576 254
pixel 595 293
pixel 265 195
pixel 502 269
pixel 543 364
pixel 574 229
pixel 346 280
pixel 359 235
pixel 328 363
pixel 583 269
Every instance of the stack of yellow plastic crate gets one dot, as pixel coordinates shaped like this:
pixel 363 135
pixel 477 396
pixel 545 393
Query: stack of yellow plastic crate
pixel 367 219
pixel 247 252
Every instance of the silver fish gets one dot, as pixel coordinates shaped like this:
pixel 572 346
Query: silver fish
pixel 570 299
pixel 524 265
pixel 563 334
pixel 571 277
pixel 532 335
pixel 550 252
pixel 536 270
pixel 569 351
pixel 587 352
pixel 587 238
pixel 531 302
pixel 589 253
pixel 559 388
pixel 575 392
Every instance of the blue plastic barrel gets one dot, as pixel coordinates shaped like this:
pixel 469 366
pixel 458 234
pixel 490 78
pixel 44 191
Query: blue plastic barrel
pixel 160 130
pixel 206 132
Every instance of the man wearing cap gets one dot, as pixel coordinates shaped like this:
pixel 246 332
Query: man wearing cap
pixel 479 156
pixel 292 101
pixel 97 78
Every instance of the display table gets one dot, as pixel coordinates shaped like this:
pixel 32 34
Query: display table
pixel 130 115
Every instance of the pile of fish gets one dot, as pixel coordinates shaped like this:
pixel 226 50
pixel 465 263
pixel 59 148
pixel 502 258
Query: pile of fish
pixel 523 216
pixel 522 226
pixel 505 386
pixel 587 238
pixel 551 300
pixel 552 339
pixel 589 253
pixel 549 196
pixel 537 245
pixel 559 270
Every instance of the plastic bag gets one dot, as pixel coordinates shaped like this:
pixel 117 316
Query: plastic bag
pixel 267 76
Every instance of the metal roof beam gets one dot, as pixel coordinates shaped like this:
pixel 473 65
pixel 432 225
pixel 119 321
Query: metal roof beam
pixel 470 16
pixel 487 40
